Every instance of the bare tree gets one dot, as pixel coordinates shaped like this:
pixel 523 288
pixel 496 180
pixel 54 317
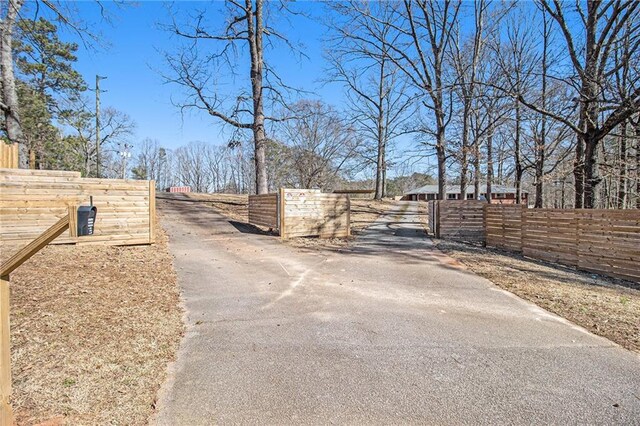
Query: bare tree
pixel 425 32
pixel 191 168
pixel 590 43
pixel 116 128
pixel 377 91
pixel 428 27
pixel 322 144
pixel 464 59
pixel 198 66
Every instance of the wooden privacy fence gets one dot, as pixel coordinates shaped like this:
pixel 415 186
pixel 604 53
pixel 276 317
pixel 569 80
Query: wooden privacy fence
pixel 302 212
pixel 457 219
pixel 8 155
pixel 503 226
pixel 33 200
pixel 602 241
pixel 263 210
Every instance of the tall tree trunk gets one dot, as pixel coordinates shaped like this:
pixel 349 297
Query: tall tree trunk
pixel 380 168
pixel 476 166
pixel 10 105
pixel 589 108
pixel 517 155
pixel 541 141
pixel 441 154
pixel 381 135
pixel 578 174
pixel 622 176
pixel 591 178
pixel 259 136
pixel 489 159
pixel 637 129
pixel 464 163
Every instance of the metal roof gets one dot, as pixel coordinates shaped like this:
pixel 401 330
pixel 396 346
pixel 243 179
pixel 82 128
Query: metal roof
pixel 455 189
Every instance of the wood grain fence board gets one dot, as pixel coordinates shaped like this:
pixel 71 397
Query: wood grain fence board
pixel 263 210
pixel 32 200
pixel 313 213
pixel 460 220
pixel 602 241
pixel 9 155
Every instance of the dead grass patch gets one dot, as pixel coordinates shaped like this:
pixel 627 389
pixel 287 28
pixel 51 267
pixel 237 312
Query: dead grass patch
pixel 605 306
pixel 93 328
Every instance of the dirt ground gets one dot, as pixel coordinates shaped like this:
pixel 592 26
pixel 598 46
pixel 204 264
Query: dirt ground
pixel 605 306
pixel 93 329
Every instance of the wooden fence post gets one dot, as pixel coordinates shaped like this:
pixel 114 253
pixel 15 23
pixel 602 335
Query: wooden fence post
pixel 73 222
pixel 6 414
pixel 152 211
pixel 281 206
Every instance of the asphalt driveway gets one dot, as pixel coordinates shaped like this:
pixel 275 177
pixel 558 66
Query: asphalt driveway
pixel 391 331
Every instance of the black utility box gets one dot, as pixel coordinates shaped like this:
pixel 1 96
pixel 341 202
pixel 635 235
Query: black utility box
pixel 86 219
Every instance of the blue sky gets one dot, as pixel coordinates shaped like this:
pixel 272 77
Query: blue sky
pixel 133 67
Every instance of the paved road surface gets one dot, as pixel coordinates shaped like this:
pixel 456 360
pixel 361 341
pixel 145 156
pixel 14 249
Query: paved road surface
pixel 389 332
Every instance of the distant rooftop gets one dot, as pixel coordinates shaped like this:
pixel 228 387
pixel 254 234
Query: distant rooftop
pixel 455 189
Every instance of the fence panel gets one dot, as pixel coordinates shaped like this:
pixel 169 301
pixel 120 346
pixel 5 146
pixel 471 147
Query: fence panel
pixel 460 220
pixel 33 200
pixel 307 212
pixel 608 242
pixel 503 226
pixel 263 210
pixel 551 235
pixel 601 241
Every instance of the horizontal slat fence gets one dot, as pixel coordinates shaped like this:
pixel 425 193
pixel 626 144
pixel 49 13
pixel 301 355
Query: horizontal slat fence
pixel 307 212
pixel 601 241
pixel 263 210
pixel 33 200
pixel 302 213
pixel 460 220
pixel 503 226
pixel 8 155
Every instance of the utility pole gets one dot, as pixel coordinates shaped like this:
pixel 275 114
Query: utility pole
pixel 125 154
pixel 98 78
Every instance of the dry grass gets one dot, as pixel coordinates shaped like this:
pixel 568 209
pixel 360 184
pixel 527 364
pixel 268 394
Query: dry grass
pixel 93 329
pixel 235 207
pixel 605 306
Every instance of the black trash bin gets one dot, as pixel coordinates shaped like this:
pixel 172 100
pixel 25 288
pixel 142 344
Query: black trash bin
pixel 86 219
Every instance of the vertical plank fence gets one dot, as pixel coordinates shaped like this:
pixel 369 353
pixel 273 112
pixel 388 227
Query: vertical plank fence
pixel 8 155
